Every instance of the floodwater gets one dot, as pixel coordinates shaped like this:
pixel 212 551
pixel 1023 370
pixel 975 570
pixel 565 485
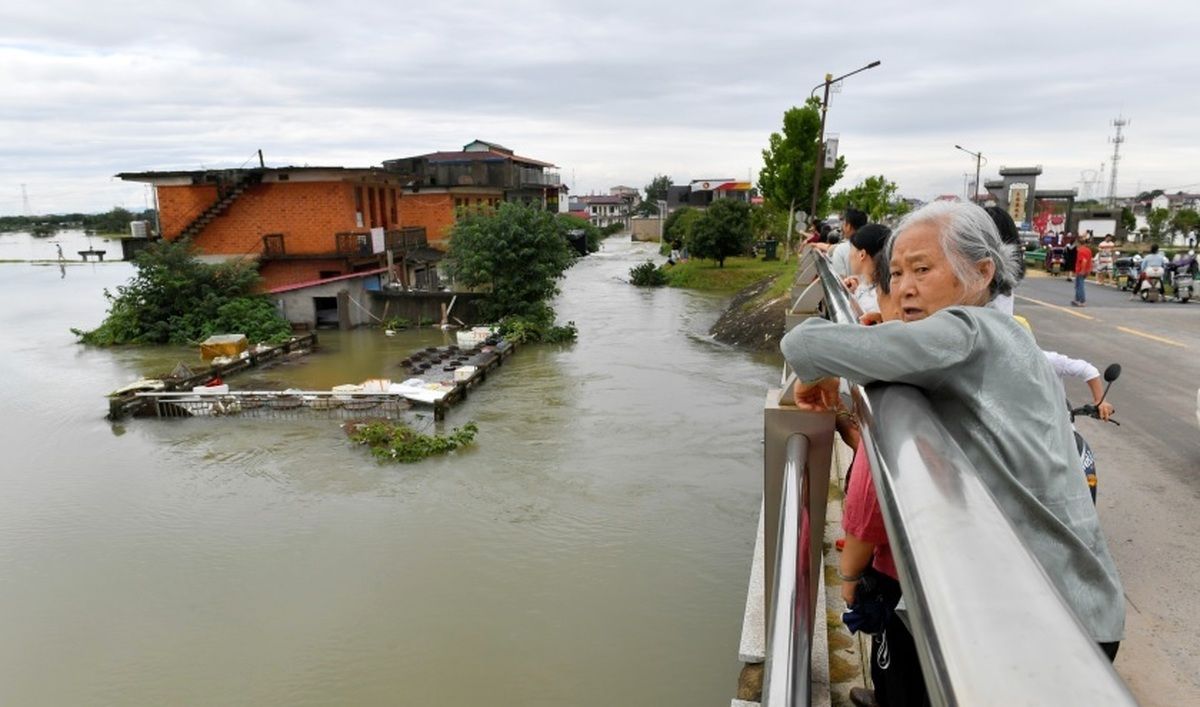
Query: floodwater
pixel 592 549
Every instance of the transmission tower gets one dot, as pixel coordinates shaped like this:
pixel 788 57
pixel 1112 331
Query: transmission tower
pixel 1116 141
pixel 25 201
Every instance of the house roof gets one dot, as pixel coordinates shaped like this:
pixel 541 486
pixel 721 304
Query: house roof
pixel 424 254
pixel 492 145
pixel 169 174
pixel 601 199
pixel 461 156
pixel 310 283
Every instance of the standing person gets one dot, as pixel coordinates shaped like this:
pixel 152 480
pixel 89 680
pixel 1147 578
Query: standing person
pixel 1105 259
pixel 1083 266
pixel 1069 253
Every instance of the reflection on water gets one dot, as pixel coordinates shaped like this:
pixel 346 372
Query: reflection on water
pixel 591 549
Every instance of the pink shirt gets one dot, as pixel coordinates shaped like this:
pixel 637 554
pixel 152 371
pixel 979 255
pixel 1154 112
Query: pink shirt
pixel 861 516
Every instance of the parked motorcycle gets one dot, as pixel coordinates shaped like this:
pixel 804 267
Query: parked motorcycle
pixel 1151 289
pixel 1183 277
pixel 1086 458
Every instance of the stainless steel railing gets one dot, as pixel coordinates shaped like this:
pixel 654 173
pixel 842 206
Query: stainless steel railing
pixel 796 457
pixel 989 625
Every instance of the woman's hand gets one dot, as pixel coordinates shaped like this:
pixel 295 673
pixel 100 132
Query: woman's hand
pixel 851 282
pixel 870 318
pixel 818 396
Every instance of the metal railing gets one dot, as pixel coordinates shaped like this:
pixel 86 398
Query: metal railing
pixel 989 626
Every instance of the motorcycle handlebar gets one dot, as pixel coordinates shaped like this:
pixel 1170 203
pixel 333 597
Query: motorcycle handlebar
pixel 1092 411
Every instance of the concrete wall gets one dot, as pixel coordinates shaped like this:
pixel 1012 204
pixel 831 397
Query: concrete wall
pixel 298 308
pixel 418 306
pixel 644 229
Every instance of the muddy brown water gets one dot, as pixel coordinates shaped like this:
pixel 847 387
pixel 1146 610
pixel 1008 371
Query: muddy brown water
pixel 591 549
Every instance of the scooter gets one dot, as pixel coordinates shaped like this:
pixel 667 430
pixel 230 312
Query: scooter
pixel 1086 458
pixel 1151 289
pixel 1184 271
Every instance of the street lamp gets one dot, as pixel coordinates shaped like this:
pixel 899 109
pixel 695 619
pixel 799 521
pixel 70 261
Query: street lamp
pixel 829 80
pixel 978 156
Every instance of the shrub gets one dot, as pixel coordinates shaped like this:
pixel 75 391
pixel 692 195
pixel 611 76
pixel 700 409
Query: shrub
pixel 175 299
pixel 647 275
pixel 391 440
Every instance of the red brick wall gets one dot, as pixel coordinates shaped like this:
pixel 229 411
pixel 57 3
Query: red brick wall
pixel 179 206
pixel 308 214
pixel 276 273
pixel 434 211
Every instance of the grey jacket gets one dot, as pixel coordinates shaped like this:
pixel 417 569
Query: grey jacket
pixel 997 396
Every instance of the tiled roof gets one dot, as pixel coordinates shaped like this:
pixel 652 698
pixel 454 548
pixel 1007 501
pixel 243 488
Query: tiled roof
pixel 479 156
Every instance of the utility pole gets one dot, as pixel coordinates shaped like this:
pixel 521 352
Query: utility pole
pixel 1116 141
pixel 262 164
pixel 829 80
pixel 812 212
pixel 974 198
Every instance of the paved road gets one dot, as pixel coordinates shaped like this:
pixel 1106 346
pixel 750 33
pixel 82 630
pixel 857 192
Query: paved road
pixel 1149 467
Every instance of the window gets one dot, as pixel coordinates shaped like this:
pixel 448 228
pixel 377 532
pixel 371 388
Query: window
pixel 371 207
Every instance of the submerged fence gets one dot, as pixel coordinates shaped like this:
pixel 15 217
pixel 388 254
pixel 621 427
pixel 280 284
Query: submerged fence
pixel 273 404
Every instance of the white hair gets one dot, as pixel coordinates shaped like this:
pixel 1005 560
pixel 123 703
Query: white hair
pixel 968 235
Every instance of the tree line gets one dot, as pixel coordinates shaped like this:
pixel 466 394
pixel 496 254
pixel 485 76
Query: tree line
pixel 115 221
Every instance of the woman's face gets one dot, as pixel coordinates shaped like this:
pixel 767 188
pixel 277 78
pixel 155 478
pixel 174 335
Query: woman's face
pixel 860 263
pixel 923 281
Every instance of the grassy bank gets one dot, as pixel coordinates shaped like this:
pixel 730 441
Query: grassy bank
pixel 737 274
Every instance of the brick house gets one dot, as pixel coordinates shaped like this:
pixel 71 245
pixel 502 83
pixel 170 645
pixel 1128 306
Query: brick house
pixel 301 223
pixel 440 185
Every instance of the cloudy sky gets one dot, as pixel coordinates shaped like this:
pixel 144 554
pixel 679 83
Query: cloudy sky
pixel 612 92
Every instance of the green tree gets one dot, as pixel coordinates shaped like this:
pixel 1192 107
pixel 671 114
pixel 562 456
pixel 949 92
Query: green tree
pixel 1157 220
pixel 875 196
pixel 517 253
pixel 789 162
pixel 767 221
pixel 1128 220
pixel 1185 221
pixel 679 224
pixel 175 298
pixel 657 189
pixel 722 231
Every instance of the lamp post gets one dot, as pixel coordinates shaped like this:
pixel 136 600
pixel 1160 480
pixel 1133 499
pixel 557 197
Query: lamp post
pixel 829 81
pixel 978 157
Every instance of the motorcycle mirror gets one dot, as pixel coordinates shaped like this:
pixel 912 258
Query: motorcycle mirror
pixel 1112 373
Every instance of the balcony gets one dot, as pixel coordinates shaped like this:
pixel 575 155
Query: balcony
pixel 534 176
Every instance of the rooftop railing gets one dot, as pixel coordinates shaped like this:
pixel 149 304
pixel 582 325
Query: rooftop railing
pixel 989 626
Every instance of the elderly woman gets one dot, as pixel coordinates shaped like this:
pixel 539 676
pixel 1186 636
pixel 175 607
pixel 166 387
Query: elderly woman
pixel 990 386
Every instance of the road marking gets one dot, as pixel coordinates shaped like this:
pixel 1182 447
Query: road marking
pixel 1152 337
pixel 1068 310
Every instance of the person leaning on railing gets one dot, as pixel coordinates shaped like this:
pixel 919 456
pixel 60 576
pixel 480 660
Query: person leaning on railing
pixel 991 388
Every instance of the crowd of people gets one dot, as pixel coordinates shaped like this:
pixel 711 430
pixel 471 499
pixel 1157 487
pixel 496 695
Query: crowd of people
pixel 936 296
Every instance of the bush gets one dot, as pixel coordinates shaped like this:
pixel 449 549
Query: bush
pixel 647 275
pixel 396 441
pixel 537 328
pixel 176 299
pixel 395 324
